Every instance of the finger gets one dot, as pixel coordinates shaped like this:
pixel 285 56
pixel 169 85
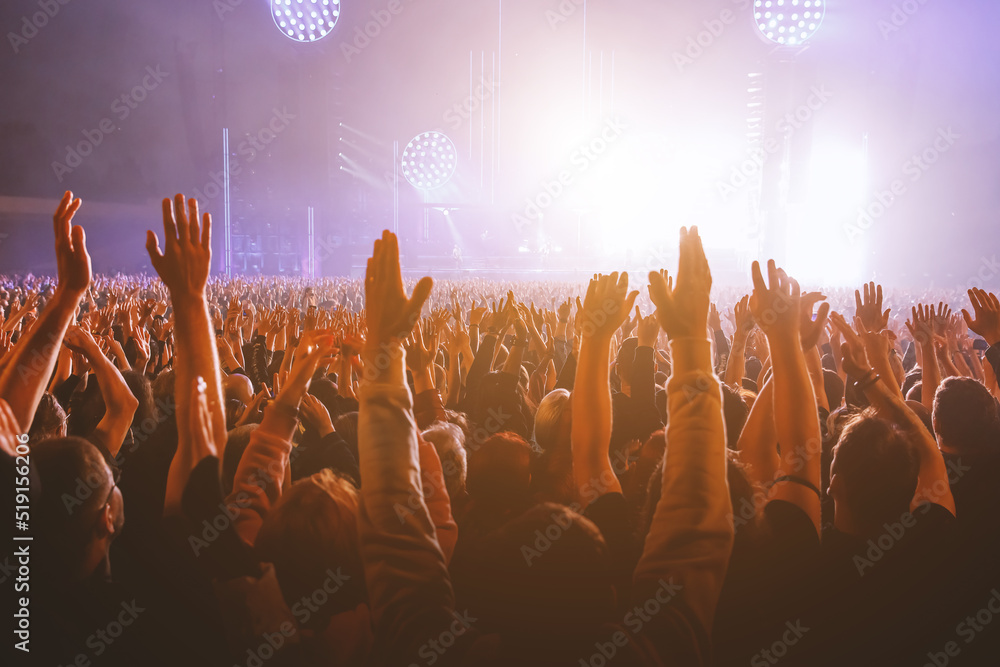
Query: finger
pixel 169 223
pixel 206 231
pixel 421 292
pixel 153 248
pixel 758 279
pixel 193 230
pixel 631 300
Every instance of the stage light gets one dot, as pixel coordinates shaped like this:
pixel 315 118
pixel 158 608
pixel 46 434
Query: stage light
pixel 429 160
pixel 305 20
pixel 788 22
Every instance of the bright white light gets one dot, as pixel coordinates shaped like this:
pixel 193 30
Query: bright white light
pixel 429 160
pixel 790 29
pixel 820 249
pixel 299 30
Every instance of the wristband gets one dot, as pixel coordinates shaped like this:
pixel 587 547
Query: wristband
pixel 797 480
pixel 866 383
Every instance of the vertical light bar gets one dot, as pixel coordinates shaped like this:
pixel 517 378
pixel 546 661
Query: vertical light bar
pixel 496 82
pixel 311 232
pixel 493 138
pixel 395 187
pixel 482 124
pixel 226 219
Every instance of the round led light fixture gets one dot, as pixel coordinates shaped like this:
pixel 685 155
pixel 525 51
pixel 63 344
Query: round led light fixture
pixel 788 22
pixel 429 160
pixel 305 20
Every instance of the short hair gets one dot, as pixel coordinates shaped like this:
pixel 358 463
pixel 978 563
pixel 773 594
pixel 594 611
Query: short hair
pixel 735 413
pixel 49 420
pixel 449 443
pixel 878 467
pixel 526 591
pixel 626 358
pixel 500 471
pixel 75 486
pixel 311 536
pixel 547 417
pixel 965 415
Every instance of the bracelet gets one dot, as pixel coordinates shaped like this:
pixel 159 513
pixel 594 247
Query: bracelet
pixel 797 480
pixel 863 384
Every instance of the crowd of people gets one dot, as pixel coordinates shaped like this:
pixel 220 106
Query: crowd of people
pixel 200 470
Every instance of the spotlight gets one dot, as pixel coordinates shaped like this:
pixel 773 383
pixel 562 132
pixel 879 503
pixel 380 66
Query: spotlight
pixel 305 20
pixel 429 160
pixel 788 22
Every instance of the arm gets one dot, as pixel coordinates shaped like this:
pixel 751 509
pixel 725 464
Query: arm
pixel 29 365
pixel 933 473
pixel 736 366
pixel 777 309
pixel 120 403
pixel 184 268
pixel 409 598
pixel 758 443
pixel 691 536
pixel 264 465
pixel 922 330
pixel 605 308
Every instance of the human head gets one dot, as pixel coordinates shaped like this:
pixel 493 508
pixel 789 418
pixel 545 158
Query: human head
pixel 500 471
pixel 81 508
pixel 311 537
pixel 449 443
pixel 552 419
pixel 528 594
pixel 965 417
pixel 49 420
pixel 873 475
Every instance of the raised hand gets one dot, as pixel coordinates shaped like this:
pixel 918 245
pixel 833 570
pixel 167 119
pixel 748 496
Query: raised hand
pixel 184 265
pixel 683 309
pixel 714 319
pixel 855 358
pixel 776 307
pixel 869 309
pixel 606 305
pixel 742 318
pixel 72 259
pixel 810 330
pixel 390 314
pixel 648 330
pixel 921 324
pixel 315 414
pixel 419 354
pixel 941 319
pixel 987 320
